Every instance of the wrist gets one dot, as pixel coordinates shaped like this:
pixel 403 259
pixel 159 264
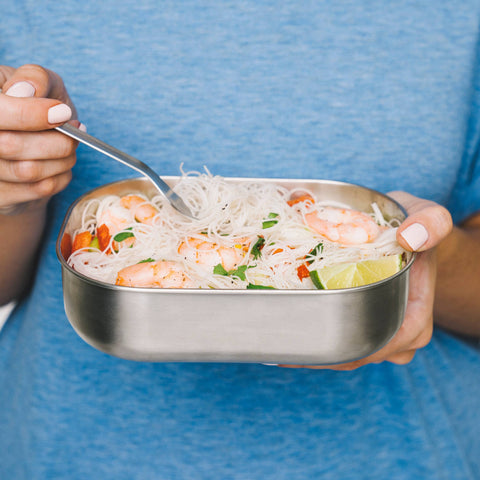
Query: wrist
pixel 23 207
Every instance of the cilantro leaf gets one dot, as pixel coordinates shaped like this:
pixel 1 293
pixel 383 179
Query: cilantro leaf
pixel 257 248
pixel 238 272
pixel 219 270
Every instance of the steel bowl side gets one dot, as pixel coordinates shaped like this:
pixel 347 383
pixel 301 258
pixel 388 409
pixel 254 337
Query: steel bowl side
pixel 296 327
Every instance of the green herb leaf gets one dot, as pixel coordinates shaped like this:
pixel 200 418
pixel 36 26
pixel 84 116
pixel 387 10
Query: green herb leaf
pixel 120 237
pixel 219 270
pixel 147 260
pixel 238 272
pixel 252 286
pixel 269 223
pixel 257 248
pixel 315 251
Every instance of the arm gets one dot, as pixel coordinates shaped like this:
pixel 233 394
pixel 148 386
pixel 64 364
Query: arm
pixel 457 300
pixel 21 235
pixel 35 164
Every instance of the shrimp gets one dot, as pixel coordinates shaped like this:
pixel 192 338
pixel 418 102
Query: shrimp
pixel 208 254
pixel 162 274
pixel 343 225
pixel 143 210
pixel 115 218
pixel 131 208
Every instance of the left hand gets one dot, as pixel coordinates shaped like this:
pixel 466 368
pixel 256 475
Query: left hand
pixel 425 227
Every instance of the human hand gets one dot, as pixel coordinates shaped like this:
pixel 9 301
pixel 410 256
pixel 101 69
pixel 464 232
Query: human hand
pixel 426 226
pixel 35 161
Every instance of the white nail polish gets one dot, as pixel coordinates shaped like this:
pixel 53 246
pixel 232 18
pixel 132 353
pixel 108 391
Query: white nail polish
pixel 59 113
pixel 415 235
pixel 82 127
pixel 21 89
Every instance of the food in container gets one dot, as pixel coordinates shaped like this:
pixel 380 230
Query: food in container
pixel 232 308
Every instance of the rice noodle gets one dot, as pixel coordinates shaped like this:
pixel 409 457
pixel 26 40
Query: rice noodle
pixel 227 212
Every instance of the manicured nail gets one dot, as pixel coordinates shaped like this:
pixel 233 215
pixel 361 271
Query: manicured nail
pixel 59 113
pixel 82 127
pixel 21 89
pixel 415 235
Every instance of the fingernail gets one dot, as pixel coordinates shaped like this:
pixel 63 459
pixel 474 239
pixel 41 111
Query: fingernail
pixel 415 235
pixel 82 127
pixel 21 89
pixel 59 113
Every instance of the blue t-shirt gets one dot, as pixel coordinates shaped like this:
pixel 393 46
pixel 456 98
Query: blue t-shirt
pixel 384 94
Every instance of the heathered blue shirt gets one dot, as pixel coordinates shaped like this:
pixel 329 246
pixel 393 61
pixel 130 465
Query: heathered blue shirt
pixel 385 94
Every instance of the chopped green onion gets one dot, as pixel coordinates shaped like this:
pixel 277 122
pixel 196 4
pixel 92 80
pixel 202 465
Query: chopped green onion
pixel 270 223
pixel 314 252
pixel 120 237
pixel 147 260
pixel 252 286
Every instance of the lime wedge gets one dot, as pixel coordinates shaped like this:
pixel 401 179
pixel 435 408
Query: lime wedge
pixel 348 275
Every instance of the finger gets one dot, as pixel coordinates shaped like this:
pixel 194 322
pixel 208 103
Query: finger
pixel 427 223
pixel 5 73
pixel 32 146
pixel 30 112
pixel 15 193
pixel 344 367
pixel 32 171
pixel 402 358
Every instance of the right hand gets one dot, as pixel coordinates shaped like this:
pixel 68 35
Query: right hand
pixel 35 161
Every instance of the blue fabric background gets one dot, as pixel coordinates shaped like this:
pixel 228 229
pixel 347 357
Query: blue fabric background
pixel 385 95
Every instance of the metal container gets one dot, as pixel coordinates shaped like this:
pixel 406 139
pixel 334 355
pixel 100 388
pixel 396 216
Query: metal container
pixel 319 327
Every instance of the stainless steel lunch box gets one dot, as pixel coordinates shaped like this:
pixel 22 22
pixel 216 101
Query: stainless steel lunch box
pixel 320 327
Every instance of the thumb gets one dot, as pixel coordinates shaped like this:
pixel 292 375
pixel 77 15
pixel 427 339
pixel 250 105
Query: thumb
pixel 427 224
pixel 33 80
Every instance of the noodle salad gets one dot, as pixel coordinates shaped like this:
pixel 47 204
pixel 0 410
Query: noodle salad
pixel 249 234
